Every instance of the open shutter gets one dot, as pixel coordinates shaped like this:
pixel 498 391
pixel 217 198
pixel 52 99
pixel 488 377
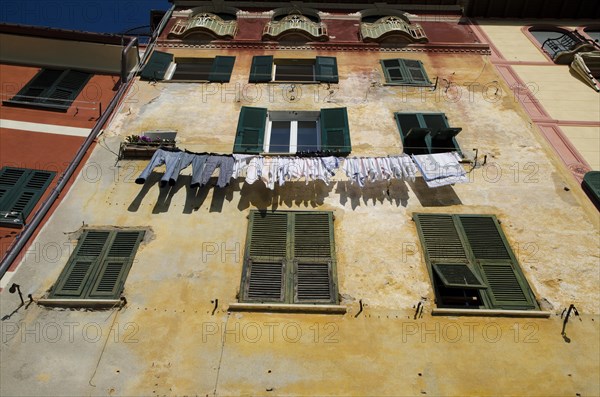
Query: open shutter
pixel 335 132
pixel 221 69
pixel 457 275
pixel 75 278
pixel 392 68
pixel 415 72
pixel 262 68
pixel 313 255
pixel 326 69
pixel 266 250
pixel 116 264
pixel 67 88
pixel 157 66
pixel 508 288
pixel 250 130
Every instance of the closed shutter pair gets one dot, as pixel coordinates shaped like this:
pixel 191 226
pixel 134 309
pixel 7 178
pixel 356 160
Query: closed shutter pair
pixel 51 89
pixel 404 72
pixel 20 190
pixel 159 62
pixel 98 267
pixel 326 70
pixel 290 258
pixel 335 132
pixel 471 252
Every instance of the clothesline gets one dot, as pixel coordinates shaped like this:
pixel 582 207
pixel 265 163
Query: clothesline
pixel 437 169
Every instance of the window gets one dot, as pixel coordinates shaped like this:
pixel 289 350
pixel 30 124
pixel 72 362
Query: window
pixel 261 131
pixel 162 66
pixel 20 190
pixel 404 72
pixel 426 133
pixel 560 44
pixel 290 258
pixel 471 264
pixel 98 267
pixel 51 89
pixel 266 69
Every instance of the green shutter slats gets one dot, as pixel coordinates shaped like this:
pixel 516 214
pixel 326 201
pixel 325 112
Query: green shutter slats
pixel 458 276
pixel 11 176
pixel 313 283
pixel 268 238
pixel 250 130
pixel 440 238
pixel 335 131
pixel 312 235
pixel 92 243
pixel 261 69
pixel 109 282
pixel 265 282
pixel 67 88
pixel 99 265
pixel 74 279
pixel 290 258
pixel 507 288
pixel 21 190
pixel 157 66
pixel 484 237
pixel 125 244
pixel 326 69
pixel 405 71
pixel 221 69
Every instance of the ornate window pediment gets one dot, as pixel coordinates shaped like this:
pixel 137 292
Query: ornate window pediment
pixel 206 23
pixel 297 25
pixel 392 27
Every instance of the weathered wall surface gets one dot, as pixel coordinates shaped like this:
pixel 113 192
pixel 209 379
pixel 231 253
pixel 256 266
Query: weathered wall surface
pixel 167 341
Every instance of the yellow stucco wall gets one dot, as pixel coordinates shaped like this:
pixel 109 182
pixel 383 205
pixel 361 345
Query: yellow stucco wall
pixel 169 342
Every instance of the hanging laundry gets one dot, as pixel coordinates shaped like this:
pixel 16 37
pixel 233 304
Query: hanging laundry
pixel 171 159
pixel 225 165
pixel 441 169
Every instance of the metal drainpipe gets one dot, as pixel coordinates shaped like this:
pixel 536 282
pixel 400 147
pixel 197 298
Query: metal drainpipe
pixel 30 228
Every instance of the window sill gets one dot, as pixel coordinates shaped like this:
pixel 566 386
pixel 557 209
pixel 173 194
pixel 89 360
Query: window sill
pixel 287 308
pixel 37 106
pixel 490 313
pixel 81 303
pixel 388 84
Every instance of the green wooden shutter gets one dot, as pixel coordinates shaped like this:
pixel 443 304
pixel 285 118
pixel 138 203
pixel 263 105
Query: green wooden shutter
pixel 434 121
pixel 20 190
pixel 457 275
pixel 250 130
pixel 335 131
pixel 66 89
pixel 262 69
pixel 392 68
pixel 116 264
pixel 37 88
pixel 326 69
pixel 157 66
pixel 415 72
pixel 508 288
pixel 221 69
pixel 75 278
pixel 313 257
pixel 31 191
pixel 266 255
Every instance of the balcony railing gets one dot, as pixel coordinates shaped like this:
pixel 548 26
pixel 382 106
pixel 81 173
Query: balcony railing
pixel 296 24
pixel 562 49
pixel 391 26
pixel 204 22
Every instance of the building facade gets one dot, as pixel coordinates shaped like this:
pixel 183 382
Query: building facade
pixel 384 218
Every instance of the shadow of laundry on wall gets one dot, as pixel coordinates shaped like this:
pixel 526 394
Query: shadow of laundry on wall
pixel 434 197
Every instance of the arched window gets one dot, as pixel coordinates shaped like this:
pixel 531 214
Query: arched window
pixel 560 44
pixel 295 25
pixel 594 33
pixel 200 24
pixel 390 27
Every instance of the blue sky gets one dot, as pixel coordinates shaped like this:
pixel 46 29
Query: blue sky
pixel 103 16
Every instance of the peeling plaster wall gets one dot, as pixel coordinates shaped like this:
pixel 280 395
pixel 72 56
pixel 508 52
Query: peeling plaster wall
pixel 167 341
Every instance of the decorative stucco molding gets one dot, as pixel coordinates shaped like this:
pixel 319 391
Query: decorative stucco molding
pixel 392 26
pixel 295 24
